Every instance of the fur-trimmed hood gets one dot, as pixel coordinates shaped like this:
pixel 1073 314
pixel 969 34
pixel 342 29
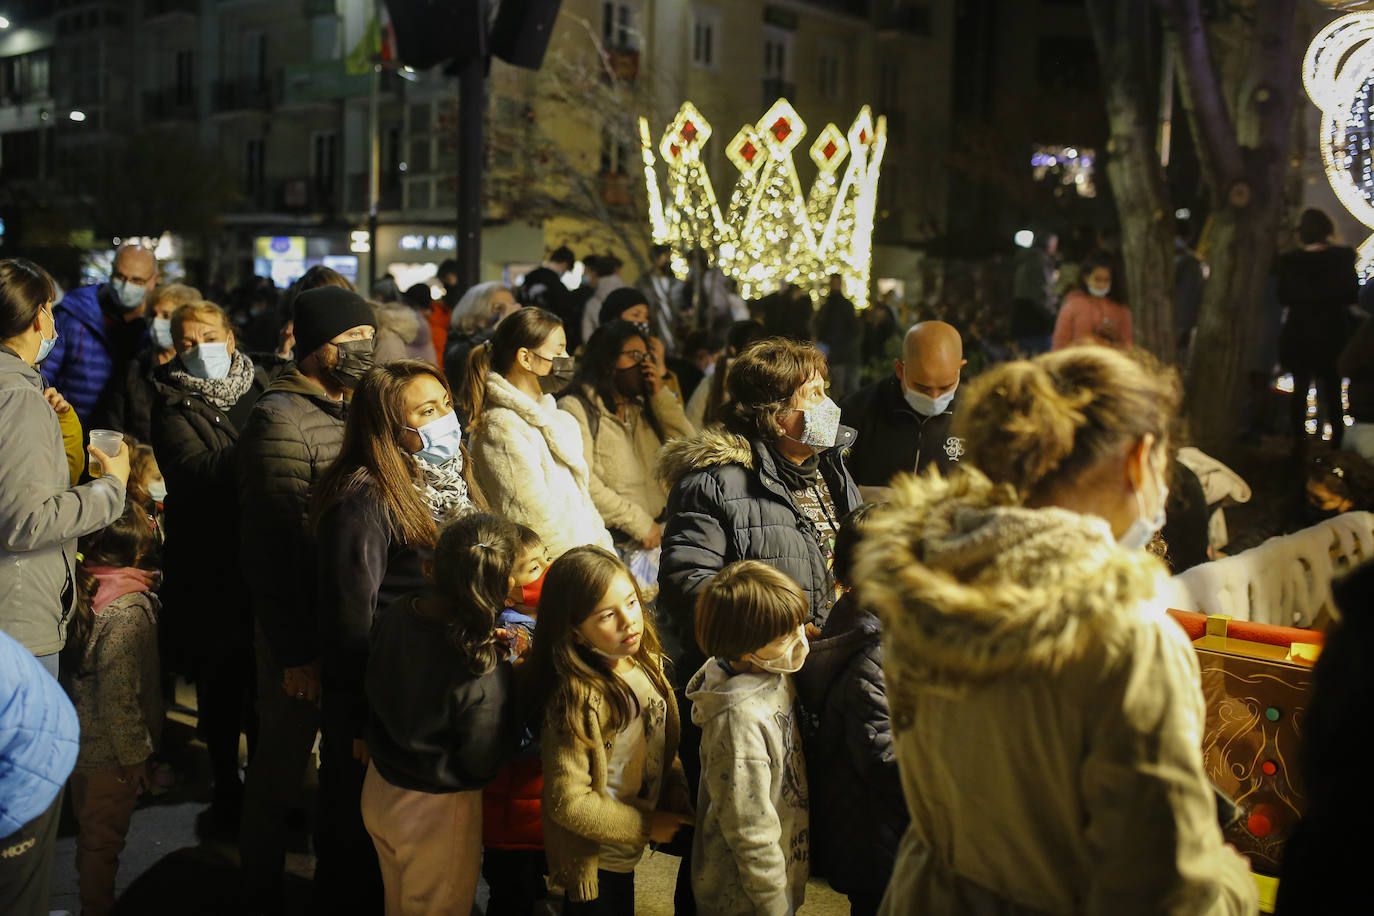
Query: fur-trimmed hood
pixel 971 585
pixel 399 319
pixel 715 446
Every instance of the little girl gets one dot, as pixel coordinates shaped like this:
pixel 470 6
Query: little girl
pixel 443 719
pixel 612 781
pixel 110 669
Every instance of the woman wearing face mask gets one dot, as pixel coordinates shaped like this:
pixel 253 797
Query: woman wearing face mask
pixel 376 513
pixel 629 304
pixel 626 414
pixel 1090 314
pixel 526 453
pixel 41 513
pixel 203 397
pixel 1047 711
pixel 128 402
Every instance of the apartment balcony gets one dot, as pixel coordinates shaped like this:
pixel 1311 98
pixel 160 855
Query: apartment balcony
pixel 178 103
pixel 244 94
pixel 323 81
pixel 159 9
pixel 774 89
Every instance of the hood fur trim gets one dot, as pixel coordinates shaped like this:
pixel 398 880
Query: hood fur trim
pixel 971 585
pixel 711 447
pixel 400 320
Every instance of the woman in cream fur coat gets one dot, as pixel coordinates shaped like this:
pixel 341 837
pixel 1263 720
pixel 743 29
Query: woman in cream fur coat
pixel 526 453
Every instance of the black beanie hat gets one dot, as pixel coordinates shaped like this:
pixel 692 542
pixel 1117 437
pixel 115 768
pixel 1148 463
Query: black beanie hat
pixel 627 297
pixel 323 313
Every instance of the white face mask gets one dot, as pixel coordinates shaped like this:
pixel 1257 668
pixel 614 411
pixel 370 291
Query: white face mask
pixel 161 333
pixel 927 406
pixel 1099 291
pixel 1143 529
pixel 157 489
pixel 792 657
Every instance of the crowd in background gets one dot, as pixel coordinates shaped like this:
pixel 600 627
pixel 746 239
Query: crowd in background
pixel 557 575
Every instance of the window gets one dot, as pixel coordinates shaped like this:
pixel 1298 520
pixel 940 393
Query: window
pixel 889 84
pixel 252 165
pixel 617 26
pixel 777 53
pixel 185 77
pixel 253 59
pixel 615 155
pixel 828 71
pixel 324 160
pixel 705 35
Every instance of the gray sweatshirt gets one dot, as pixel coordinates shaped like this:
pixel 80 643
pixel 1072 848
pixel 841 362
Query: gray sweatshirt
pixel 751 854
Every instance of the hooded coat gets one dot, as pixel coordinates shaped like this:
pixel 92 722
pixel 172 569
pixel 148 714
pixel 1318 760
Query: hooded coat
pixel 41 513
pixel 38 737
pixel 727 503
pixel 527 458
pixel 402 333
pixel 1047 714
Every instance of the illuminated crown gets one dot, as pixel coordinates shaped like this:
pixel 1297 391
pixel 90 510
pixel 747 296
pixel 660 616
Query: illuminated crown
pixel 771 234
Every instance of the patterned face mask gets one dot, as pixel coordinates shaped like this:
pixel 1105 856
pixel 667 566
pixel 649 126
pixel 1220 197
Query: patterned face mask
pixel 820 424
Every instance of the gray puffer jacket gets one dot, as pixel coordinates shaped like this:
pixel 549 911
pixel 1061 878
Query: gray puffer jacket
pixel 858 813
pixel 41 513
pixel 727 503
pixel 293 434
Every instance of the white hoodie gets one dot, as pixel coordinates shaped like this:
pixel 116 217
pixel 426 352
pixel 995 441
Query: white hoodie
pixel 751 854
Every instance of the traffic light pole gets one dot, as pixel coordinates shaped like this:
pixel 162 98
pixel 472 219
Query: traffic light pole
pixel 472 104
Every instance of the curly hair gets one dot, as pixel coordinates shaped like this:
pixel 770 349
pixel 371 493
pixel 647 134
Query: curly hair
pixel 762 381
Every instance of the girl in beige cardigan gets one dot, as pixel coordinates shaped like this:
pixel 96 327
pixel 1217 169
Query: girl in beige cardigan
pixel 612 781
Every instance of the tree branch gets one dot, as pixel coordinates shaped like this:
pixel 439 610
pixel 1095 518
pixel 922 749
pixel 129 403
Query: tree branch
pixel 1213 130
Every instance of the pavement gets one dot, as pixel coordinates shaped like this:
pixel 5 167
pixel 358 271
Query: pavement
pixel 175 864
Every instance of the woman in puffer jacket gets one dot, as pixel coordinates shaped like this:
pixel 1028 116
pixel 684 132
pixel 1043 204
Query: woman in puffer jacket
pixel 625 413
pixel 526 453
pixel 1047 713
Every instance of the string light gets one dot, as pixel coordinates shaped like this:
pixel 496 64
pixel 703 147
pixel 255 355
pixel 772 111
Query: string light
pixel 1338 74
pixel 772 233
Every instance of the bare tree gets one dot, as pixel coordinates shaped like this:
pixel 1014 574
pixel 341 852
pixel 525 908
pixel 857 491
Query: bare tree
pixel 1238 81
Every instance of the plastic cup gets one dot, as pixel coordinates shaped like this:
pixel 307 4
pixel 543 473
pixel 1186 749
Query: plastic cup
pixel 109 442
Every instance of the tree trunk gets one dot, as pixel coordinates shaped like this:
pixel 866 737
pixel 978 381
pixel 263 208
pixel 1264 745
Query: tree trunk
pixel 1133 168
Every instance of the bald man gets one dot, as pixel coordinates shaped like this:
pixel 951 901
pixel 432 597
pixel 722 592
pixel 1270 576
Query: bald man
pixel 100 329
pixel 903 420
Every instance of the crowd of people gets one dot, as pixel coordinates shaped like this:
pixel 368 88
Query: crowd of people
pixel 557 576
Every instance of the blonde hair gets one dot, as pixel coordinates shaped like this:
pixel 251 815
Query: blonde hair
pixel 745 607
pixel 178 294
pixel 1037 424
pixel 201 311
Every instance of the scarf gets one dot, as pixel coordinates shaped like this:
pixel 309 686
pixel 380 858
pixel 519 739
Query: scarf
pixel 443 489
pixel 218 392
pixel 116 582
pixel 796 476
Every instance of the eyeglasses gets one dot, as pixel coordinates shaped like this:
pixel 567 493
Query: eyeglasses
pixel 637 355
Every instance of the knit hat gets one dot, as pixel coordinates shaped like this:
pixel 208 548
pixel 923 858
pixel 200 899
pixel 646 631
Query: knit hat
pixel 323 313
pixel 627 297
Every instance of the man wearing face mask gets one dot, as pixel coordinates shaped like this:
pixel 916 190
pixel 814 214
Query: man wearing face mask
pixel 204 396
pixel 292 436
pixel 129 399
pixel 100 329
pixel 904 420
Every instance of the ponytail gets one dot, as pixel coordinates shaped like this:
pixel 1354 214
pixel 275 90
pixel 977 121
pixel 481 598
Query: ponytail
pixel 472 391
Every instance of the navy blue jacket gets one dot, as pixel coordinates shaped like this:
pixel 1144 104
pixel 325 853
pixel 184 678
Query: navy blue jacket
pixel 88 351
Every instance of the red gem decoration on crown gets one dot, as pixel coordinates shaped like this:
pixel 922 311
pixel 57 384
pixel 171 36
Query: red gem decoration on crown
pixel 781 129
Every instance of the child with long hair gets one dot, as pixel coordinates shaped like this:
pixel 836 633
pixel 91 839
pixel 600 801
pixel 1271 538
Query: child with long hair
pixel 612 781
pixel 111 671
pixel 751 852
pixel 443 719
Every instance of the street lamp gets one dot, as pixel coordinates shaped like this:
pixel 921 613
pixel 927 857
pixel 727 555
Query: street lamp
pixel 77 115
pixel 4 23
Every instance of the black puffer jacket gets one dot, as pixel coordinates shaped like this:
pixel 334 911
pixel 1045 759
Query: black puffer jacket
pixel 727 504
pixel 894 438
pixel 196 443
pixel 858 814
pixel 292 436
pixel 131 398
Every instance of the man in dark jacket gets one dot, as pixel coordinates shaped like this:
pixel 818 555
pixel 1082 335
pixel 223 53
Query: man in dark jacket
pixel 903 421
pixel 292 436
pixel 99 329
pixel 206 629
pixel 840 335
pixel 128 402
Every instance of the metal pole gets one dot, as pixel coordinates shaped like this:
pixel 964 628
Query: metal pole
pixel 472 103
pixel 1166 104
pixel 374 166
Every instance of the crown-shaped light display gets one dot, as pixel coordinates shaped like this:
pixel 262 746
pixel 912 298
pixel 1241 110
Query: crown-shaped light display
pixel 771 233
pixel 1338 73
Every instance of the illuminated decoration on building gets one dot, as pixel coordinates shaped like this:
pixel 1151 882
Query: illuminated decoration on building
pixel 1338 73
pixel 1069 167
pixel 772 233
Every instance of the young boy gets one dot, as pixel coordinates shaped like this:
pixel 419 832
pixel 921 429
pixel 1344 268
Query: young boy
pixel 751 853
pixel 519 618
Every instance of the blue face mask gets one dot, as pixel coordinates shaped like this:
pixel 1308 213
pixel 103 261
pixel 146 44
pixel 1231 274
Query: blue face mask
pixel 208 360
pixel 161 333
pixel 47 343
pixel 441 438
pixel 130 295
pixel 927 406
